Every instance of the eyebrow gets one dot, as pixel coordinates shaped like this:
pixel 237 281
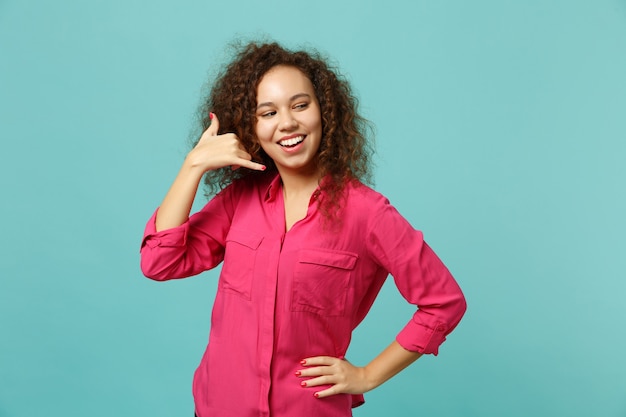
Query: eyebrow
pixel 293 98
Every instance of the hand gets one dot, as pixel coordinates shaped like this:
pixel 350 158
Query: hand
pixel 343 377
pixel 215 151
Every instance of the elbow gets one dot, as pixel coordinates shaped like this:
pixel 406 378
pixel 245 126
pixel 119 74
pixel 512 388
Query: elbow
pixel 462 306
pixel 459 307
pixel 151 274
pixel 152 270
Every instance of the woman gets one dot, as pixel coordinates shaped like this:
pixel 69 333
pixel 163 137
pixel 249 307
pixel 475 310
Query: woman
pixel 305 245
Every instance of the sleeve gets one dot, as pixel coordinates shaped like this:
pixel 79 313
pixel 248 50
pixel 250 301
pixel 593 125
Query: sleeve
pixel 191 248
pixel 421 278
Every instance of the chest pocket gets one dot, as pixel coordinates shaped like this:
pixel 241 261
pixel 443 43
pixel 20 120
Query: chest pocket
pixel 239 259
pixel 322 281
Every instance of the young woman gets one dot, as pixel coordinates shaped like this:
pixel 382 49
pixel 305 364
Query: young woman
pixel 305 245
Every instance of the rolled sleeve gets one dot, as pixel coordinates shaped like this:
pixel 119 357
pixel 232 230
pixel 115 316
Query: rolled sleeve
pixel 419 338
pixel 161 252
pixel 191 248
pixel 176 237
pixel 440 301
pixel 422 279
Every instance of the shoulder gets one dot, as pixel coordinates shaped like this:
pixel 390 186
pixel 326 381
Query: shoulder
pixel 359 196
pixel 373 208
pixel 362 205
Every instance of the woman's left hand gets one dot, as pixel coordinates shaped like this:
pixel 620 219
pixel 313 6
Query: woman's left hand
pixel 343 377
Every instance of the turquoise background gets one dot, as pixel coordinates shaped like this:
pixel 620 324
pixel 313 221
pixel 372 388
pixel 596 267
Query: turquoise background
pixel 501 129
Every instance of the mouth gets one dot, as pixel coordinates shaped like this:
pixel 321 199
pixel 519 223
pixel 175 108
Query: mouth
pixel 290 142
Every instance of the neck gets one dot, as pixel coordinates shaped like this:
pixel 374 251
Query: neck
pixel 298 183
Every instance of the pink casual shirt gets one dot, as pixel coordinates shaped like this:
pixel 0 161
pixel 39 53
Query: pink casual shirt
pixel 284 296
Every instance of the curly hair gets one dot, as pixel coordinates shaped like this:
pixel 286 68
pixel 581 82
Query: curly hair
pixel 345 149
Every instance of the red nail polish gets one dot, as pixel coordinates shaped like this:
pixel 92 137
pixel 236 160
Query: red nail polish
pixel 298 373
pixel 302 362
pixel 303 383
pixel 316 395
pixel 210 115
pixel 263 168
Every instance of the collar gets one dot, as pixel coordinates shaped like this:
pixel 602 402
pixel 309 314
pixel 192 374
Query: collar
pixel 273 189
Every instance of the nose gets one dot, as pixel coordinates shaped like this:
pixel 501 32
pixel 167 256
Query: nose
pixel 288 122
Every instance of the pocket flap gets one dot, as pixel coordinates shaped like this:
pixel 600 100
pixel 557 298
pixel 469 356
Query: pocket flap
pixel 244 238
pixel 337 259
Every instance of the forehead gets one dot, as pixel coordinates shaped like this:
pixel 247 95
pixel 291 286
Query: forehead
pixel 283 81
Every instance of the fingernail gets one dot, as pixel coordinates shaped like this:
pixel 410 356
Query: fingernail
pixel 263 168
pixel 316 395
pixel 211 115
pixel 298 373
pixel 302 362
pixel 303 383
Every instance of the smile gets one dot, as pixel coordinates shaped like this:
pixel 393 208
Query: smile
pixel 291 142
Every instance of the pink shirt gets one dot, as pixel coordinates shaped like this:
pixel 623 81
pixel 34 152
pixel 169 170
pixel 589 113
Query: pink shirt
pixel 284 296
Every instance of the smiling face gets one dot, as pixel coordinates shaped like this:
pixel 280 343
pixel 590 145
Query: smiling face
pixel 289 121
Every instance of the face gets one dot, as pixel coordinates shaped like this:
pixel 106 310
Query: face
pixel 289 121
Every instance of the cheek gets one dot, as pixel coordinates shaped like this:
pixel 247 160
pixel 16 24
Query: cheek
pixel 316 120
pixel 262 132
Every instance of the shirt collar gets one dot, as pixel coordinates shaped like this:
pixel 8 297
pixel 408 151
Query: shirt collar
pixel 273 189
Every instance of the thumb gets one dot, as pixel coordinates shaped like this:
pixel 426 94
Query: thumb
pixel 215 125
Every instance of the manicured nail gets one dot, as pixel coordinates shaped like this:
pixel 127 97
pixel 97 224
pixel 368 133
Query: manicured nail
pixel 211 115
pixel 316 395
pixel 303 383
pixel 302 362
pixel 298 373
pixel 263 168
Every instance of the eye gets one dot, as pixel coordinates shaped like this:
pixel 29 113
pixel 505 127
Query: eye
pixel 301 106
pixel 268 114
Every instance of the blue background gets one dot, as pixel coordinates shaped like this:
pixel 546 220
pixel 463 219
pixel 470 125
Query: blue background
pixel 501 130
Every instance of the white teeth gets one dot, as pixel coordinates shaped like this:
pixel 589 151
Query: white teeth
pixel 292 141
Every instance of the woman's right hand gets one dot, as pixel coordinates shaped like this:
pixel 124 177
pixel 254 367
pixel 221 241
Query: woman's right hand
pixel 212 152
pixel 215 151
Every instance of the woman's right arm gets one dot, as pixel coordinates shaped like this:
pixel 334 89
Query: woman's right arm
pixel 176 245
pixel 212 152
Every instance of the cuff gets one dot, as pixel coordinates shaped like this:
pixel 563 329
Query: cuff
pixel 423 339
pixel 174 237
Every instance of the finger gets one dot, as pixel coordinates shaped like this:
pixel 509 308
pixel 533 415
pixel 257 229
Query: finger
pixel 249 164
pixel 240 152
pixel 215 125
pixel 315 371
pixel 320 380
pixel 319 360
pixel 327 392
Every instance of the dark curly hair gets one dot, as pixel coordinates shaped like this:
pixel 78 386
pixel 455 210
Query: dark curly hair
pixel 345 150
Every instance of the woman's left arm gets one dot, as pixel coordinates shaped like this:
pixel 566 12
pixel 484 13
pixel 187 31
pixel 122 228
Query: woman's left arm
pixel 424 281
pixel 346 378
